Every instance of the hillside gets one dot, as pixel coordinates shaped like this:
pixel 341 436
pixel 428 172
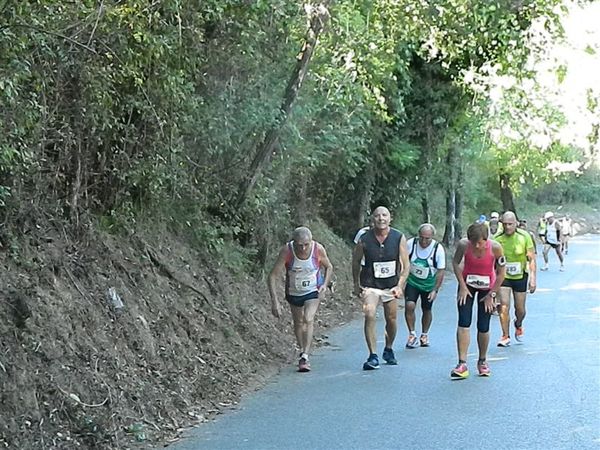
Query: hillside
pixel 193 335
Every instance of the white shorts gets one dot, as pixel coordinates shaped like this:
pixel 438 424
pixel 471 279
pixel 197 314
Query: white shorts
pixel 373 295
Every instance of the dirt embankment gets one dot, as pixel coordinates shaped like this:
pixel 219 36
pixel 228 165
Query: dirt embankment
pixel 77 370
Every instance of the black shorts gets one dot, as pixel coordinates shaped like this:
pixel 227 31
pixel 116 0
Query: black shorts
pixel 517 285
pixel 553 245
pixel 412 294
pixel 300 300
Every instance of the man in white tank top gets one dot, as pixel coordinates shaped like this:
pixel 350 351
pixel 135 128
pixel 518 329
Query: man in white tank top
pixel 308 272
pixel 553 239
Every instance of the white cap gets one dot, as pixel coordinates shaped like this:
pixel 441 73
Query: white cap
pixel 494 215
pixel 548 215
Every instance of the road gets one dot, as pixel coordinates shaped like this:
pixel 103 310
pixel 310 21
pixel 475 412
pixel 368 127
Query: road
pixel 543 394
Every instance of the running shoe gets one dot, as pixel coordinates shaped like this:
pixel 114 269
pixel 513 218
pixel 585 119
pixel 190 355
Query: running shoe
pixel 562 268
pixel 483 369
pixel 389 357
pixel 372 363
pixel 412 342
pixel 544 268
pixel 424 340
pixel 303 365
pixel 460 372
pixel 504 341
pixel 519 334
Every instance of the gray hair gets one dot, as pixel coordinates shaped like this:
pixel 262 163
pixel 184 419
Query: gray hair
pixel 426 226
pixel 301 233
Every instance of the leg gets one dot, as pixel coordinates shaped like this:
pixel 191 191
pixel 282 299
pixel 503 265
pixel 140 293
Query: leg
pixel 409 315
pixel 483 327
pixel 545 254
pixel 505 310
pixel 427 317
pixel 370 301
pixel 390 310
pixel 520 311
pixel 310 309
pixel 463 335
pixel 298 320
pixel 559 254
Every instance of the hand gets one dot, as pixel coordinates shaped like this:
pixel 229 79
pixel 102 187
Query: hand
pixel 463 293
pixel 532 286
pixel 489 303
pixel 276 309
pixel 432 296
pixel 397 292
pixel 357 291
pixel 322 289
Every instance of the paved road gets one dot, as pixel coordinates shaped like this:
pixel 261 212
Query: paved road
pixel 543 394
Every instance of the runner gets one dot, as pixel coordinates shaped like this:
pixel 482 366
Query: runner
pixel 567 232
pixel 304 262
pixel 520 276
pixel 553 238
pixel 427 267
pixel 479 280
pixel 541 229
pixel 523 226
pixel 382 279
pixel 495 225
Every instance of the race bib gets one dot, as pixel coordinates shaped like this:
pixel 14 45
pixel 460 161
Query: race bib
pixel 305 282
pixel 419 272
pixel 514 268
pixel 384 269
pixel 478 281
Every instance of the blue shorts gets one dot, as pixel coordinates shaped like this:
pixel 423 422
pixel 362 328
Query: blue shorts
pixel 300 300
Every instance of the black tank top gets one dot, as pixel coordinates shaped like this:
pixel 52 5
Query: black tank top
pixel 375 252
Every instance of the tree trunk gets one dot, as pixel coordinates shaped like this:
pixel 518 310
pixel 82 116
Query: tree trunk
pixel 299 192
pixel 506 195
pixel 450 215
pixel 425 208
pixel 318 17
pixel 459 203
pixel 364 204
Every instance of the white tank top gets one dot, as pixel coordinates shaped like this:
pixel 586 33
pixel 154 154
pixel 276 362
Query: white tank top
pixel 551 236
pixel 303 274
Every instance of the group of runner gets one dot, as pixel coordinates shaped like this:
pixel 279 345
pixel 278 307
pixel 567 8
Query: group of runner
pixel 497 259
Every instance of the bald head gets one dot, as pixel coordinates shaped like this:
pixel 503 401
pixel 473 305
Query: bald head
pixel 302 234
pixel 381 219
pixel 509 220
pixel 381 210
pixel 509 215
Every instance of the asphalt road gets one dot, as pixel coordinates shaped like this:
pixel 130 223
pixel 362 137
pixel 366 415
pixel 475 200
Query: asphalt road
pixel 543 394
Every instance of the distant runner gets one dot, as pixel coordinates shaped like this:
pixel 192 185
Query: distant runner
pixel 567 232
pixel 553 239
pixel 307 273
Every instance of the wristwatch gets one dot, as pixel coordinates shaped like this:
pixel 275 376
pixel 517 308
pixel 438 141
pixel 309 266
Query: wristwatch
pixel 493 295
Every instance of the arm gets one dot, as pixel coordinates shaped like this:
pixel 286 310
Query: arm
pixel 532 266
pixel 278 268
pixel 463 290
pixel 405 264
pixel 439 275
pixel 326 264
pixel 500 274
pixel 357 255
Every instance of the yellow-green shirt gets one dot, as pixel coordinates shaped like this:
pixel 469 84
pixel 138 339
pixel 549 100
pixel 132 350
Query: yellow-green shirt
pixel 515 249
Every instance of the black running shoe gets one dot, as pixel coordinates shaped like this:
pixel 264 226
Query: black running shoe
pixel 372 363
pixel 389 357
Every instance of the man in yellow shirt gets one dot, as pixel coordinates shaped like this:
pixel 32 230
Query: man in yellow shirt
pixel 519 251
